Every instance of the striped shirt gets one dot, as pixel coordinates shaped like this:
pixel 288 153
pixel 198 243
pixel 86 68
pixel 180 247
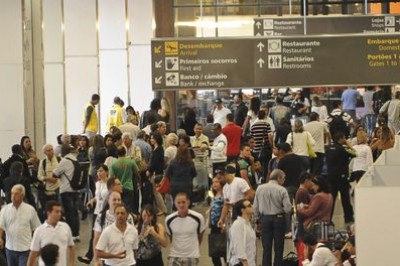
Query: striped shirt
pixel 260 131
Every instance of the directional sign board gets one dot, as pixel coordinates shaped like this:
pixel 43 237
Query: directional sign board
pixel 326 25
pixel 275 61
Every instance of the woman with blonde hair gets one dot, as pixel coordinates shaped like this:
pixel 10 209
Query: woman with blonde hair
pixel 300 140
pixel 364 157
pixel 171 148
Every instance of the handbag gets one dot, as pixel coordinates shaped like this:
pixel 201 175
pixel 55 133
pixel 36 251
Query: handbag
pixel 290 259
pixel 142 165
pixel 311 152
pixel 163 186
pixel 217 245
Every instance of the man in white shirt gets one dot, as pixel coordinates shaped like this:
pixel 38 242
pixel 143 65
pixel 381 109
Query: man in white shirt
pixel 320 133
pixel 318 253
pixel 18 220
pixel 235 189
pixel 69 196
pixel 118 241
pixel 52 231
pixel 200 144
pixel 242 244
pixel 219 148
pixel 185 229
pixel 220 112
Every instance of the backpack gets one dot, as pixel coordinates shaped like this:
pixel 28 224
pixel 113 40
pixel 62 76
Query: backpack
pixel 338 125
pixel 79 177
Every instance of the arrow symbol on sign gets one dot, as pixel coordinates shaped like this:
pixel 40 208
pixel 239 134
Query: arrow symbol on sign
pixel 157 49
pixel 258 24
pixel 158 64
pixel 260 46
pixel 158 80
pixel 260 62
pixel 258 34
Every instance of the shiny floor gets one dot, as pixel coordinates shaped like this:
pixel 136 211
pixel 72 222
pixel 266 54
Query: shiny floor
pixel 85 230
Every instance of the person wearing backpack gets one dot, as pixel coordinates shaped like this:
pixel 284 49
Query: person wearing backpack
pixel 339 121
pixel 67 172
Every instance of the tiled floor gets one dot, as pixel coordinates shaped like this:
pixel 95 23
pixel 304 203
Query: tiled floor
pixel 85 230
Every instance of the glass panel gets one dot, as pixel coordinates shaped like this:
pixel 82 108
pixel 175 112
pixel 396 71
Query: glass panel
pixel 81 81
pixel 193 2
pixel 280 7
pixel 191 22
pixel 54 100
pixel 113 81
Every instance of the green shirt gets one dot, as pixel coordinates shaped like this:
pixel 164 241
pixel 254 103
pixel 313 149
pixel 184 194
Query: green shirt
pixel 126 170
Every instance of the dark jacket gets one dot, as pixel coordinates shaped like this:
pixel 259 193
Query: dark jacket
pixel 7 165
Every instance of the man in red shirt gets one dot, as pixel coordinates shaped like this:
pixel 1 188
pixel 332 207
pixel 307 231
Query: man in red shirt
pixel 233 134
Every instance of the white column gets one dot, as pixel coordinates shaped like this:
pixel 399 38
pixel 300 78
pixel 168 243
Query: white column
pixel 112 55
pixel 53 69
pixel 81 59
pixel 12 108
pixel 140 34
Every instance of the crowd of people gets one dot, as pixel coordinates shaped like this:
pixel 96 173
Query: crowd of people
pixel 270 168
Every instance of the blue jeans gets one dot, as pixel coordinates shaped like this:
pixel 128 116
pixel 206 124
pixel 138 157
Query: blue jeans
pixel 70 202
pixel 17 258
pixel 272 233
pixel 370 123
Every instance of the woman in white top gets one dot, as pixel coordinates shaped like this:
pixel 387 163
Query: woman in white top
pixel 364 157
pixel 98 201
pixel 298 139
pixel 319 108
pixel 170 147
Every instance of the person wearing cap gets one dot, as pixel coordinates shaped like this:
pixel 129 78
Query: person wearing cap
pixel 292 165
pixel 271 204
pixel 219 112
pixel 115 115
pixel 235 189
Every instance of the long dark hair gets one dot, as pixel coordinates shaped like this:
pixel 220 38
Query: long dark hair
pixel 22 143
pixel 183 155
pixel 150 211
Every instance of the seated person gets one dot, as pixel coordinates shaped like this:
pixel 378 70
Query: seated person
pixel 348 252
pixel 317 253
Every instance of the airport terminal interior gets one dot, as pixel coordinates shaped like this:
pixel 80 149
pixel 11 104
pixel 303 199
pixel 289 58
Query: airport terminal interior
pixel 193 55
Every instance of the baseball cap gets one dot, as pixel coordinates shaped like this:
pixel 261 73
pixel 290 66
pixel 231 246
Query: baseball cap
pixel 218 100
pixel 228 169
